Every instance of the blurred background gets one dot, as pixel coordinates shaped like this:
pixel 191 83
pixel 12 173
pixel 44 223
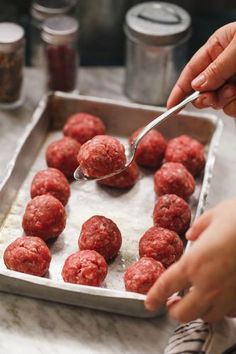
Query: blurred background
pixel 101 36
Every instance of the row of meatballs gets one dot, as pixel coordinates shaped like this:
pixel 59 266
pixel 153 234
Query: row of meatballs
pixel 100 239
pixel 174 183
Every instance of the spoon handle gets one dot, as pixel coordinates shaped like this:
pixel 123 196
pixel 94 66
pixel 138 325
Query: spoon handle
pixel 165 115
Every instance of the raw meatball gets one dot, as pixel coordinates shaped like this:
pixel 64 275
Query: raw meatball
pixel 44 217
pixel 62 154
pixel 172 212
pixel 123 180
pixel 51 181
pixel 28 254
pixel 174 178
pixel 161 244
pixel 151 149
pixel 188 151
pixel 101 155
pixel 83 127
pixel 102 235
pixel 85 268
pixel 141 275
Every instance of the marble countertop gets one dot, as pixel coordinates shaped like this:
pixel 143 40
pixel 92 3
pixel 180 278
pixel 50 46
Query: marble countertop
pixel 30 326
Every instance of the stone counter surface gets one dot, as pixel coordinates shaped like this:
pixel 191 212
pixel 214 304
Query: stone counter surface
pixel 29 326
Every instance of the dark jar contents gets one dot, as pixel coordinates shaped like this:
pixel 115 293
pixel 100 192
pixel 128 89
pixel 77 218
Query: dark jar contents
pixel 11 63
pixel 10 77
pixel 62 68
pixel 60 44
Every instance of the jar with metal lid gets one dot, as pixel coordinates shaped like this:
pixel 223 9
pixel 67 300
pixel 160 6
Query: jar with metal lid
pixel 59 35
pixel 40 11
pixel 156 51
pixel 11 64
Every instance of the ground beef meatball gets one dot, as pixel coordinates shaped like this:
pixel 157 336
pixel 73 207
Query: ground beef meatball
pixel 28 254
pixel 101 156
pixel 62 154
pixel 188 151
pixel 141 275
pixel 123 180
pixel 172 212
pixel 51 181
pixel 174 178
pixel 161 244
pixel 44 217
pixel 102 235
pixel 151 149
pixel 85 268
pixel 83 127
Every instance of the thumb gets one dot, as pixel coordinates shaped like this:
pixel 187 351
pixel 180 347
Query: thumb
pixel 219 71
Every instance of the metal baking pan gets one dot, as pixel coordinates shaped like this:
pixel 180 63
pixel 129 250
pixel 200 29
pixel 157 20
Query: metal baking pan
pixel 131 210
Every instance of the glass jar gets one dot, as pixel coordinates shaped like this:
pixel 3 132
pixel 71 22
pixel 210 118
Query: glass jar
pixel 40 11
pixel 11 64
pixel 59 35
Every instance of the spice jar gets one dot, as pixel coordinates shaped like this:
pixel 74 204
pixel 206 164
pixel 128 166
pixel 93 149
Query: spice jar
pixel 60 34
pixel 11 64
pixel 156 50
pixel 40 11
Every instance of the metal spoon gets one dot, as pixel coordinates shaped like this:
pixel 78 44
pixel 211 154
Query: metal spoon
pixel 131 149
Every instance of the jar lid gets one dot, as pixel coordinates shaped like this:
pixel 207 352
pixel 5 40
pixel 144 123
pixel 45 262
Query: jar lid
pixel 11 36
pixel 60 30
pixel 157 23
pixel 42 9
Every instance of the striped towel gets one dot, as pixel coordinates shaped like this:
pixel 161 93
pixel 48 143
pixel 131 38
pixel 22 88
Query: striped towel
pixel 199 337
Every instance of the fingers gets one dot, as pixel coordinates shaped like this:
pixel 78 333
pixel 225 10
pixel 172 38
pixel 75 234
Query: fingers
pixel 199 226
pixel 190 307
pixel 222 307
pixel 218 71
pixel 183 86
pixel 210 67
pixel 230 109
pixel 211 306
pixel 214 314
pixel 178 93
pixel 173 280
pixel 224 98
pixel 227 99
pixel 209 302
pixel 207 99
pixel 195 66
pixel 226 94
pixel 172 300
pixel 218 99
pixel 232 313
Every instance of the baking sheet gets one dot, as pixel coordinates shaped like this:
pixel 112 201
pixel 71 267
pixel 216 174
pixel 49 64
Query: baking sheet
pixel 131 210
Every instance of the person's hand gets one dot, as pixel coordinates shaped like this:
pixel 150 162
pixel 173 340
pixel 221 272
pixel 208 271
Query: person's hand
pixel 212 71
pixel 208 269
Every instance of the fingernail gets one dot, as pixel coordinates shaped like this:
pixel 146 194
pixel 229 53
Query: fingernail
pixel 228 92
pixel 199 80
pixel 172 300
